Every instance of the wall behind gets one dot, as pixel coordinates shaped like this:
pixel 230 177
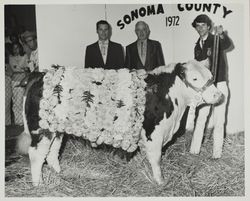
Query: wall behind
pixel 64 31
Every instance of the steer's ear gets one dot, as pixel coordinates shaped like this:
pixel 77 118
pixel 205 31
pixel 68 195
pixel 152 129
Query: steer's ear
pixel 180 70
pixel 205 63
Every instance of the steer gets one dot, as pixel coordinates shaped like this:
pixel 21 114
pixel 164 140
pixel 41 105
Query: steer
pixel 169 90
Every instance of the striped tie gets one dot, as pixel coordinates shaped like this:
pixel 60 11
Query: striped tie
pixel 142 49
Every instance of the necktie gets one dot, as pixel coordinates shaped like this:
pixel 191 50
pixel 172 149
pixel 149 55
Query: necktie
pixel 103 49
pixel 142 49
pixel 202 43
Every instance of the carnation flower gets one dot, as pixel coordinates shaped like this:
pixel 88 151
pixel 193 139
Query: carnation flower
pixel 125 144
pixel 43 114
pixel 53 127
pixel 43 124
pixel 132 148
pixel 100 139
pixel 53 100
pixel 44 104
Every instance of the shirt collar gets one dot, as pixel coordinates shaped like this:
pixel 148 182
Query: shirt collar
pixel 204 38
pixel 106 42
pixel 142 41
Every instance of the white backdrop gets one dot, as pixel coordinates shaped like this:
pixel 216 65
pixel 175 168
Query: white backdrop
pixel 64 31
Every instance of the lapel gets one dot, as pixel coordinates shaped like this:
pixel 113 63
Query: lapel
pixel 208 45
pixel 99 54
pixel 138 59
pixel 109 52
pixel 149 48
pixel 207 42
pixel 198 46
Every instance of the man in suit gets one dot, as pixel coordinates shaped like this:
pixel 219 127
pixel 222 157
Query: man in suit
pixel 204 50
pixel 104 53
pixel 143 53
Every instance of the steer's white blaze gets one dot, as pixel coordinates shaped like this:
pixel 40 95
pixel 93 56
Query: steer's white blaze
pixel 37 157
pixel 52 157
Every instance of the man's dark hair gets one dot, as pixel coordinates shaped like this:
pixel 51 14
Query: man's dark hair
pixel 102 22
pixel 202 19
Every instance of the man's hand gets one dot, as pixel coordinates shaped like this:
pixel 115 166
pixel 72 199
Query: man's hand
pixel 218 30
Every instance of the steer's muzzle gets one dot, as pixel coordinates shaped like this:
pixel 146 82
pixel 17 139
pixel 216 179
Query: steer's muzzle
pixel 212 95
pixel 219 97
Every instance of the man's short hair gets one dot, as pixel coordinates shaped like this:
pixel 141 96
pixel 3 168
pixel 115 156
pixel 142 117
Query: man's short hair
pixel 102 22
pixel 202 19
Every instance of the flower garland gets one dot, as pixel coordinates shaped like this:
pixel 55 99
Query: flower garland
pixel 103 106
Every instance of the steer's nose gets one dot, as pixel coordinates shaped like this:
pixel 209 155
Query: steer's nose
pixel 219 97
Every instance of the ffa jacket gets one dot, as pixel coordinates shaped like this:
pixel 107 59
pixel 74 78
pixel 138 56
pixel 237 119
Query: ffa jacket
pixel 207 52
pixel 154 56
pixel 115 56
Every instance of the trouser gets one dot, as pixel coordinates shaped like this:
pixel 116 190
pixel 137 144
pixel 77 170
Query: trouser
pixel 8 95
pixel 217 119
pixel 17 99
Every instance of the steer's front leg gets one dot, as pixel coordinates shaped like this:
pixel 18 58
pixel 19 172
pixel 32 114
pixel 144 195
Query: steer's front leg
pixel 53 154
pixel 199 129
pixel 153 150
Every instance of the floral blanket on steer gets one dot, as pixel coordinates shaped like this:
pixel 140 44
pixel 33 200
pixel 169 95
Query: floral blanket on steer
pixel 103 106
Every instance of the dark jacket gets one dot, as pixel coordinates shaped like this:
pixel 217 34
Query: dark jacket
pixel 154 57
pixel 207 52
pixel 115 57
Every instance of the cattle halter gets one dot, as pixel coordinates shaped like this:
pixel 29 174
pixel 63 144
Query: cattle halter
pixel 198 97
pixel 197 89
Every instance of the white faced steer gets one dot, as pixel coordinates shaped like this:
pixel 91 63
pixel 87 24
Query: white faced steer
pixel 169 91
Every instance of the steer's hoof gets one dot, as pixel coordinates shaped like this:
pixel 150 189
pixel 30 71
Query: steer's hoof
pixel 36 182
pixel 194 150
pixel 216 155
pixel 159 181
pixel 57 168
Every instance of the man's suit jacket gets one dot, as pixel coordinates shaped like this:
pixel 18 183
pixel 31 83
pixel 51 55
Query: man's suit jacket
pixel 154 56
pixel 115 56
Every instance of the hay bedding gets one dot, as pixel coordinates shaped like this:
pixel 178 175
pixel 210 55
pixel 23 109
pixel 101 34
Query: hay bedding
pixel 94 172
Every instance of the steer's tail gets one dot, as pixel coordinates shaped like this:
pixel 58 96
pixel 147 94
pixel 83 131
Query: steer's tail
pixel 23 143
pixel 24 139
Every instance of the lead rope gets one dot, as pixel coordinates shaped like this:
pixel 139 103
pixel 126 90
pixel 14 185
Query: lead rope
pixel 214 67
pixel 215 62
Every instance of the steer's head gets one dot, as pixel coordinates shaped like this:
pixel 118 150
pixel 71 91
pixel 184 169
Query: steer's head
pixel 199 82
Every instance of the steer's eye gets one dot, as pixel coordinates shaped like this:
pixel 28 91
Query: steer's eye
pixel 195 79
